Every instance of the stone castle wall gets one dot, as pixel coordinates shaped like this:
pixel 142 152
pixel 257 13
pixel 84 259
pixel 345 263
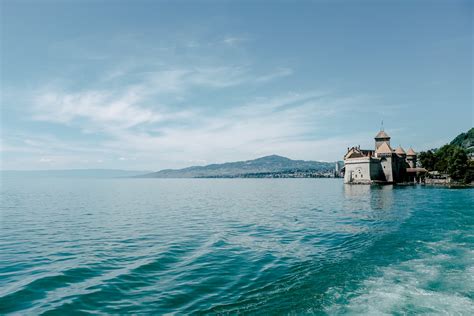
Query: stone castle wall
pixel 358 170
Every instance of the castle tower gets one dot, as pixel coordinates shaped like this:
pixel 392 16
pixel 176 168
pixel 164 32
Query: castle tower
pixel 411 158
pixel 381 138
pixel 400 152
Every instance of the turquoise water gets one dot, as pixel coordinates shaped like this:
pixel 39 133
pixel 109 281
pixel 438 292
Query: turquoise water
pixel 285 246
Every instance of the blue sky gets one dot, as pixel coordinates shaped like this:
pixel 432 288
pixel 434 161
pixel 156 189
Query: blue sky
pixel 168 84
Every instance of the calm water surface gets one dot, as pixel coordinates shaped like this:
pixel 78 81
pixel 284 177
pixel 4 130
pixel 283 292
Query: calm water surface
pixel 289 246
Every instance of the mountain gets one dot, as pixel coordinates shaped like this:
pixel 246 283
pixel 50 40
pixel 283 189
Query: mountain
pixel 465 140
pixel 71 173
pixel 249 168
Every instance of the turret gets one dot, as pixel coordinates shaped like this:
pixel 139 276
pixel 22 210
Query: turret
pixel 381 138
pixel 400 152
pixel 384 150
pixel 411 158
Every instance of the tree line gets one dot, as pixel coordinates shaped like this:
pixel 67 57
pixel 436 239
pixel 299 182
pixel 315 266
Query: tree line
pixel 450 159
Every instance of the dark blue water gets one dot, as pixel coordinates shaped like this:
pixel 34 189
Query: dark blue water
pixel 289 246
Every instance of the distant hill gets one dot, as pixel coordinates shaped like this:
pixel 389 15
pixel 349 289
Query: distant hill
pixel 465 140
pixel 72 173
pixel 264 165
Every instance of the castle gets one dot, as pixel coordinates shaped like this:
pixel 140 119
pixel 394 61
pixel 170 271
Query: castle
pixel 381 165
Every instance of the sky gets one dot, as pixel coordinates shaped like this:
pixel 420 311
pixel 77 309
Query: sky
pixel 149 85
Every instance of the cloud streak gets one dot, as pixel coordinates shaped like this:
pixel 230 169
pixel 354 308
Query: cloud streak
pixel 154 115
pixel 155 118
pixel 124 106
pixel 96 106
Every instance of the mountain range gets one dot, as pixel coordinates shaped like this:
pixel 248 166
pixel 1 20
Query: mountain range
pixel 249 168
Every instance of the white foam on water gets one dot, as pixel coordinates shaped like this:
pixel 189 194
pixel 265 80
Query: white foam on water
pixel 434 284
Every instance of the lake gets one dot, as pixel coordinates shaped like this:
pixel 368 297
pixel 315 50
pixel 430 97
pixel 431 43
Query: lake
pixel 279 246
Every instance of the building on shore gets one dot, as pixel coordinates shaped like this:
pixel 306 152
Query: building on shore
pixel 382 164
pixel 338 170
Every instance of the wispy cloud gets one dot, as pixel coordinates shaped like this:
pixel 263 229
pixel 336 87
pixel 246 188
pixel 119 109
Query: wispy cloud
pixel 285 124
pixel 148 117
pixel 153 114
pixel 279 73
pixel 96 106
pixel 234 40
pixel 139 103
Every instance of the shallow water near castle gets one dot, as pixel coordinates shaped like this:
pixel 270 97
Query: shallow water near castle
pixel 234 246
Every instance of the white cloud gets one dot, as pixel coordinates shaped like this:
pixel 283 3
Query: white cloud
pixel 154 116
pixel 134 119
pixel 233 40
pixel 124 107
pixel 277 125
pixel 97 106
pixel 46 160
pixel 282 72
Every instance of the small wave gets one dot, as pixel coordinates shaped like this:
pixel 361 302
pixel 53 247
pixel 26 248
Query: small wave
pixel 436 283
pixel 37 288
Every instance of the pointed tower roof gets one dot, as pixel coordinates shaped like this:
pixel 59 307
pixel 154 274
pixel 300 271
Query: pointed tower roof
pixel 384 149
pixel 400 151
pixel 411 152
pixel 382 134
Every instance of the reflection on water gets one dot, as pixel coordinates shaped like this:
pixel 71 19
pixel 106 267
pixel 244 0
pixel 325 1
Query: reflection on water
pixel 357 191
pixel 373 205
pixel 379 196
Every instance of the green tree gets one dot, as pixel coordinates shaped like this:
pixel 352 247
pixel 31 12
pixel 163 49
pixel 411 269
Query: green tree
pixel 427 160
pixel 452 159
pixel 457 164
pixel 442 158
pixel 469 177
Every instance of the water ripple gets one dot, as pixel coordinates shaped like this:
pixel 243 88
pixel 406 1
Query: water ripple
pixel 232 246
